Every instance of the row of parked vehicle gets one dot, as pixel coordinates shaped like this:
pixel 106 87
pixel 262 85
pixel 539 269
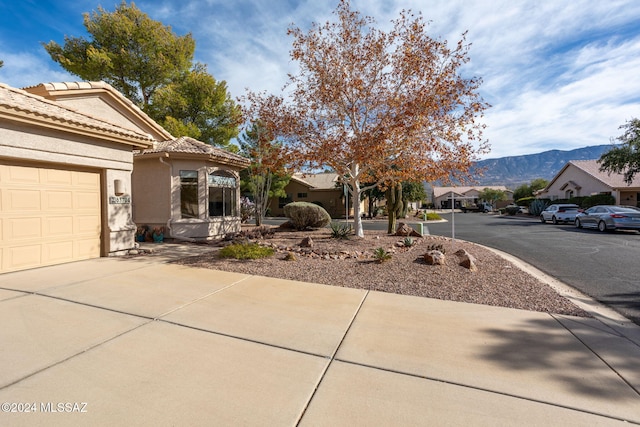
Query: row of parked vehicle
pixel 602 217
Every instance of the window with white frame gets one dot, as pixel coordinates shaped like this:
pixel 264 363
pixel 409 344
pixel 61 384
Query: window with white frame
pixel 222 194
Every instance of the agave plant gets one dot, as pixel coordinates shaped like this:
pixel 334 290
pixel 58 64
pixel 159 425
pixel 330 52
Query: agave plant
pixel 537 206
pixel 381 255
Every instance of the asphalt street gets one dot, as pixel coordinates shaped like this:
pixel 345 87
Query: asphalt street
pixel 602 265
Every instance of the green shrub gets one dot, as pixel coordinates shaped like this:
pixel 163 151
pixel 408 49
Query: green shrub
pixel 303 215
pixel 408 242
pixel 512 210
pixel 245 251
pixel 598 199
pixel 340 231
pixel 432 216
pixel 381 255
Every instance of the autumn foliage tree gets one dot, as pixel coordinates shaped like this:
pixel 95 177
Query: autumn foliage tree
pixel 369 103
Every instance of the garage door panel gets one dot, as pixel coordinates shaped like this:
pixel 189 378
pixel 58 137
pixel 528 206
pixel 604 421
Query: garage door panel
pixel 86 180
pixel 87 225
pixel 19 200
pixel 56 177
pixel 48 216
pixel 85 248
pixel 57 252
pixel 23 175
pixel 58 226
pixel 21 257
pixel 57 200
pixel 19 229
pixel 87 200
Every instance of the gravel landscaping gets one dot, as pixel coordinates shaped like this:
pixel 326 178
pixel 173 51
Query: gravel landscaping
pixel 350 263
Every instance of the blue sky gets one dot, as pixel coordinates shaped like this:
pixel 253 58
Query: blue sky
pixel 559 74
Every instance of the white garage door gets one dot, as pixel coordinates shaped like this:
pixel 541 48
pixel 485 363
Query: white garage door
pixel 47 216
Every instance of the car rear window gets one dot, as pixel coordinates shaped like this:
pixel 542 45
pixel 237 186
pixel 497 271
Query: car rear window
pixel 624 209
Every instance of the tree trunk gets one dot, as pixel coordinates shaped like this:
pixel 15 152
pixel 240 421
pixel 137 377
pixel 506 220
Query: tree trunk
pixel 394 205
pixel 354 190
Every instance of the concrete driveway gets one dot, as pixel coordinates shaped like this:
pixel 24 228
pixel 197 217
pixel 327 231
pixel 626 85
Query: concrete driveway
pixel 142 341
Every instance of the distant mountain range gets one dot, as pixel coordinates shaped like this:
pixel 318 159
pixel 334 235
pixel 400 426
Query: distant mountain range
pixel 516 170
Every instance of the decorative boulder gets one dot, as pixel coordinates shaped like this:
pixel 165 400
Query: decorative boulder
pixel 467 260
pixel 434 258
pixel 307 242
pixel 406 230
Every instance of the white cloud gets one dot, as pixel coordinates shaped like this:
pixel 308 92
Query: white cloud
pixel 558 74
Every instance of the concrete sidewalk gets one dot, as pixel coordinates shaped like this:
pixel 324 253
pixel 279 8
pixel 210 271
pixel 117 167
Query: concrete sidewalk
pixel 140 341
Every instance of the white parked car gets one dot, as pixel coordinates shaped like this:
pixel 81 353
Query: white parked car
pixel 560 212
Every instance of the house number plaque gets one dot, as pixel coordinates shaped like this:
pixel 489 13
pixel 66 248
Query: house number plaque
pixel 119 200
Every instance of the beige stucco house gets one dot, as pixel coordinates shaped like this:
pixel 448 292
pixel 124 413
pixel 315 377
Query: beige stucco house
pixel 466 195
pixel 321 188
pixel 581 178
pixel 188 188
pixel 66 164
pixel 65 190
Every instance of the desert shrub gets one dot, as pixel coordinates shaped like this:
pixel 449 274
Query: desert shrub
pixel 512 210
pixel 598 199
pixel 245 251
pixel 432 216
pixel 340 231
pixel 381 255
pixel 436 247
pixel 408 242
pixel 303 215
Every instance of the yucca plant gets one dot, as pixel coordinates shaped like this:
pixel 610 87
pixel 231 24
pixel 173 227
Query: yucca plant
pixel 381 255
pixel 408 242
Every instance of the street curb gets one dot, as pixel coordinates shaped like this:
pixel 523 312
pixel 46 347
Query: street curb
pixel 602 313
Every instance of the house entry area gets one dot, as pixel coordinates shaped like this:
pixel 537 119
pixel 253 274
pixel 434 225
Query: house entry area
pixel 47 216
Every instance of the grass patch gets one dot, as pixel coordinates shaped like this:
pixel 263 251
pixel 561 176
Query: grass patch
pixel 432 216
pixel 245 251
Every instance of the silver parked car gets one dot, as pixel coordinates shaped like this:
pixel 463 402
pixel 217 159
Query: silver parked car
pixel 560 212
pixel 609 218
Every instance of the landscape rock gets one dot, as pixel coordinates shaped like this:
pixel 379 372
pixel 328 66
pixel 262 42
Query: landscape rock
pixel 467 260
pixel 307 242
pixel 434 258
pixel 406 230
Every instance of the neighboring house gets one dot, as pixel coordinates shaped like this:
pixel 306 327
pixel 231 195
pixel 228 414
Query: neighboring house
pixel 581 178
pixel 465 195
pixel 65 173
pixel 188 187
pixel 322 189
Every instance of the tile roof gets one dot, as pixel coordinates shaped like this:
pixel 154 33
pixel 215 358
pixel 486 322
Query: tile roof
pixel 322 181
pixel 22 106
pixel 190 146
pixel 46 90
pixel 614 180
pixel 462 190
